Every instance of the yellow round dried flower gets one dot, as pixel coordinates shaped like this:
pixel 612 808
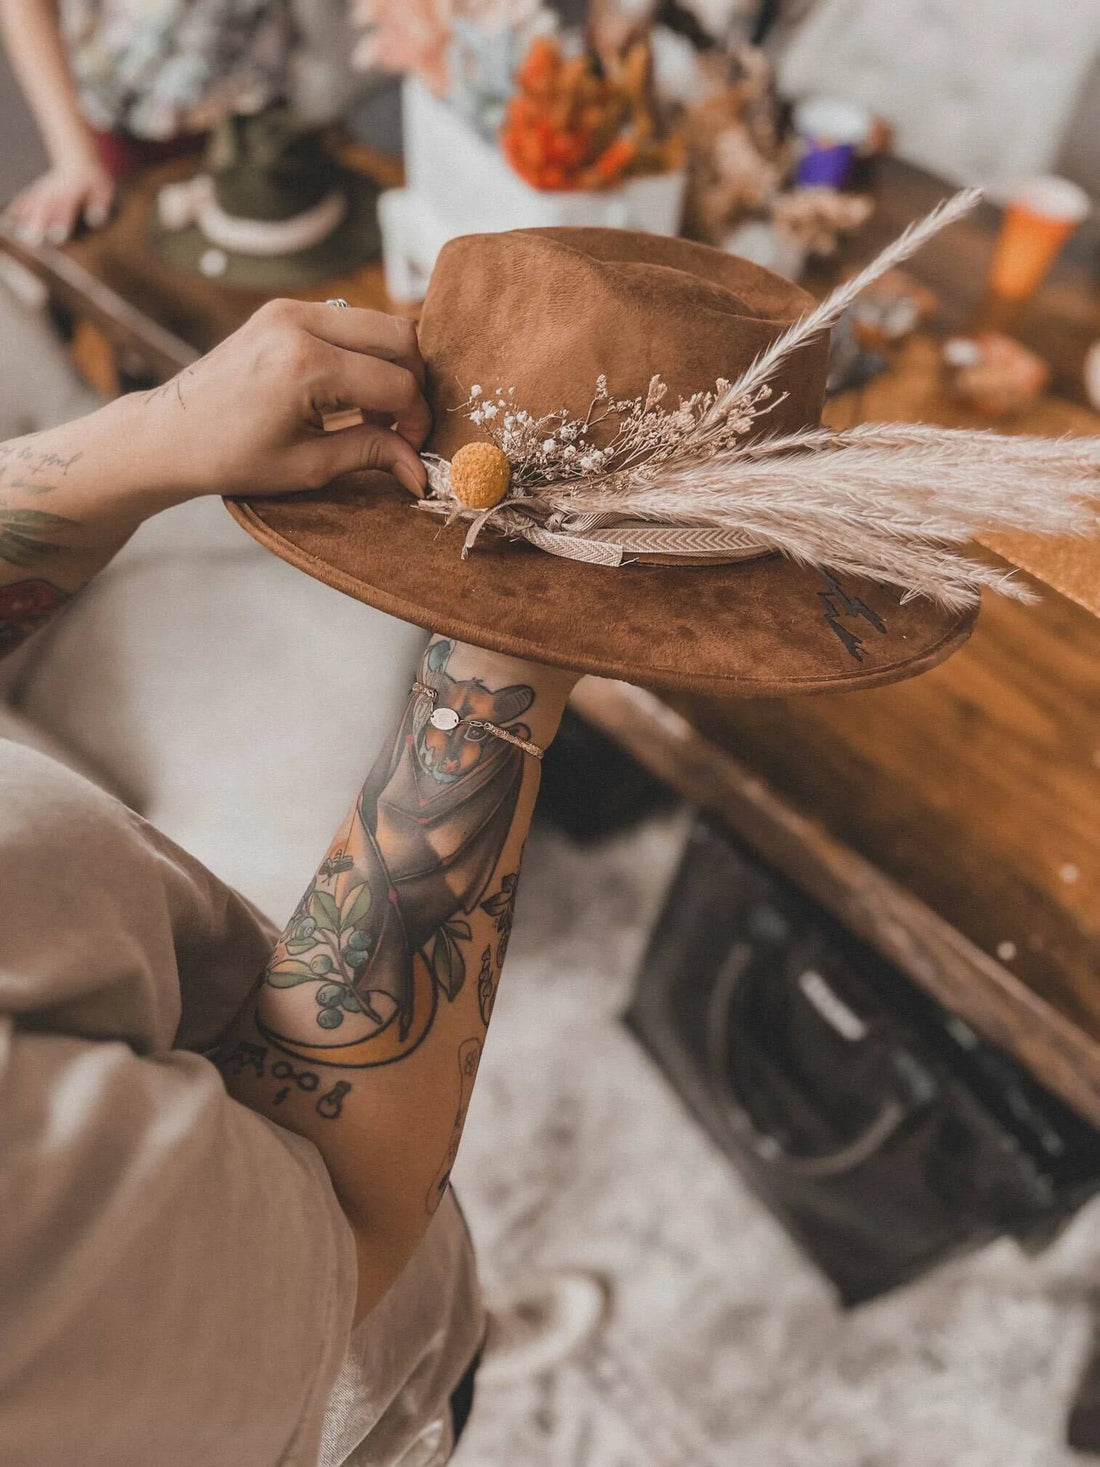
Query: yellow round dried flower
pixel 480 475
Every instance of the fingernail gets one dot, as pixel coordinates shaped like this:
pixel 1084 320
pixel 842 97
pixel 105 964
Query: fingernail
pixel 408 480
pixel 95 216
pixel 30 234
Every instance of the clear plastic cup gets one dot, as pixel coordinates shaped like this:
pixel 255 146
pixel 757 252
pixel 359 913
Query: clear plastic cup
pixel 1038 220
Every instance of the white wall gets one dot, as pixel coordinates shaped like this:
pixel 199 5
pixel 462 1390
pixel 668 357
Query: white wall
pixel 978 90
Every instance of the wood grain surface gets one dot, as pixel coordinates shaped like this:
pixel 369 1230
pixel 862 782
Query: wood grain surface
pixel 1051 1028
pixel 974 788
pixel 1060 321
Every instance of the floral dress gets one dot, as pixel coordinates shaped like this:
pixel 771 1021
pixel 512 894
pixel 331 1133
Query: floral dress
pixel 158 68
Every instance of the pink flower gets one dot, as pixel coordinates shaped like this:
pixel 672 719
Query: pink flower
pixel 407 36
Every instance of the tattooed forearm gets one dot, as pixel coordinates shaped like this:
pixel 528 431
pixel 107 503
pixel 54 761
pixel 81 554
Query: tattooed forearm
pixel 27 535
pixel 378 940
pixel 24 607
pixel 77 469
pixel 27 538
pixel 388 969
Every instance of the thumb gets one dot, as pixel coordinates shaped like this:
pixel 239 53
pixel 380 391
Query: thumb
pixel 367 446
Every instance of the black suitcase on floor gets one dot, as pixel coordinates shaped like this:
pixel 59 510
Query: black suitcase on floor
pixel 882 1132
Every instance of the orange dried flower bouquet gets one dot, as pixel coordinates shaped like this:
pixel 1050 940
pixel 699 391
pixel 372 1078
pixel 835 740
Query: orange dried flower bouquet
pixel 571 126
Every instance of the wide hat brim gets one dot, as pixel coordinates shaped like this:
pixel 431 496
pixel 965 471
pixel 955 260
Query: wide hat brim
pixel 355 240
pixel 545 313
pixel 766 627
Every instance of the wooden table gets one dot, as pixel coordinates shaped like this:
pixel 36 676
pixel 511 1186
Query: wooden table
pixel 953 821
pixel 1060 322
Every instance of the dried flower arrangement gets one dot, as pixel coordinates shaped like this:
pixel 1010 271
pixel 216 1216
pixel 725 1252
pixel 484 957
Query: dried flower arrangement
pixel 737 156
pixel 411 36
pixel 573 124
pixel 814 217
pixel 416 36
pixel 889 501
pixel 568 126
pixel 740 158
pixel 555 449
pixel 565 121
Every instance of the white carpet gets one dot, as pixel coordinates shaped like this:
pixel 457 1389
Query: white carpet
pixel 723 1347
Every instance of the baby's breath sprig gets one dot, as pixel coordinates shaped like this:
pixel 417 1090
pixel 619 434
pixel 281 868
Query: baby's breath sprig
pixel 557 449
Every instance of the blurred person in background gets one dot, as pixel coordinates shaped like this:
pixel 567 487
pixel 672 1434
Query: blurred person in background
pixel 115 85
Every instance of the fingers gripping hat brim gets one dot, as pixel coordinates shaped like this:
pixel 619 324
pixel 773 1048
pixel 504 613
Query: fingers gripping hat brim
pixel 547 312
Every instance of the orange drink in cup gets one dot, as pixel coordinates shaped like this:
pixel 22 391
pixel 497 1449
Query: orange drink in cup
pixel 1038 220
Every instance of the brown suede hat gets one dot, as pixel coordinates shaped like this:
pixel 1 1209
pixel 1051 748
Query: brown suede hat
pixel 547 312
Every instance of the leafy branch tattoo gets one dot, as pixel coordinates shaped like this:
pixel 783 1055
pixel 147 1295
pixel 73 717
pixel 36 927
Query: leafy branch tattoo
pixel 24 607
pixel 376 943
pixel 502 908
pixel 337 940
pixel 486 987
pixel 24 535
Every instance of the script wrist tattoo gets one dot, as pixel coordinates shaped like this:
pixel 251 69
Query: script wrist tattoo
pixel 379 939
pixel 24 460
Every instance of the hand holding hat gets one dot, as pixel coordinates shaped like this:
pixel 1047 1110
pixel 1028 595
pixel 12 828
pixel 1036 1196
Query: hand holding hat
pixel 251 415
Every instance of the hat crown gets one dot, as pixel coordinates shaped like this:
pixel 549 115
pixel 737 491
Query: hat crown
pixel 549 311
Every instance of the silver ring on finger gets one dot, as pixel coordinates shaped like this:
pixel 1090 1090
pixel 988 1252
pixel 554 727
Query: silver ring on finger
pixel 338 301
